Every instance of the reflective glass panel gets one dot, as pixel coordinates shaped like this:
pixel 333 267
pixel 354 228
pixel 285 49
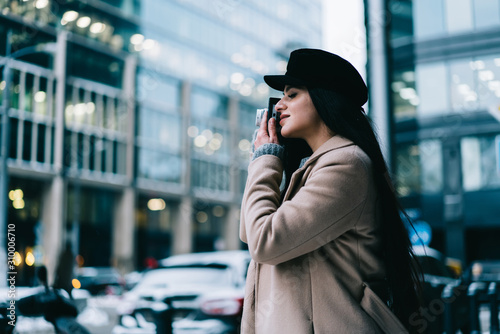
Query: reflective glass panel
pixel 480 162
pixel 160 129
pixel 152 86
pixel 432 88
pixel 486 13
pixel 158 165
pixel 407 174
pixel 428 18
pixel 458 15
pixel 404 96
pixel 487 77
pixel 462 85
pixel 431 164
pixel 209 175
pixel 246 115
pixel 419 168
pixel 401 19
pixel 209 141
pixel 206 104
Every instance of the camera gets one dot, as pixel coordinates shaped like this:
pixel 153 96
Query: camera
pixel 274 114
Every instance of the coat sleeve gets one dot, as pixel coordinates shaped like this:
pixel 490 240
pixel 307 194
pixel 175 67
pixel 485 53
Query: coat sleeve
pixel 272 172
pixel 325 207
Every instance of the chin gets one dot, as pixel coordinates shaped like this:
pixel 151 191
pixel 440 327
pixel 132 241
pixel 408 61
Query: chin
pixel 285 133
pixel 288 136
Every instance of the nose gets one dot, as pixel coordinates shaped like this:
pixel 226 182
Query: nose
pixel 280 105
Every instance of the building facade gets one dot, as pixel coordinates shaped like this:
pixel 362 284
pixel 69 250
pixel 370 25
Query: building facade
pixel 126 124
pixel 443 91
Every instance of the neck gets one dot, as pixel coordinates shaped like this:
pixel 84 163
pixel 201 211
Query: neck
pixel 319 139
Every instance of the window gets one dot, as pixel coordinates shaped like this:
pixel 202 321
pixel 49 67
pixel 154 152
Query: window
pixel 428 18
pixel 152 86
pixel 159 141
pixel 96 125
pixel 462 85
pixel 127 6
pixel 206 104
pixel 209 221
pixel 431 163
pixel 246 115
pixel 210 175
pixel 401 20
pixel 247 128
pixel 487 72
pixel 95 66
pixel 407 170
pixel 458 15
pixel 463 89
pixel 159 165
pixel 432 88
pixel 209 141
pixel 486 13
pixel 419 168
pixel 95 222
pixel 31 138
pixel 155 218
pixel 479 165
pixel 160 129
pixel 404 95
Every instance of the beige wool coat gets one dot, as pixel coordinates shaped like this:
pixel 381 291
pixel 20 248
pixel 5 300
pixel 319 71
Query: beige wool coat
pixel 312 253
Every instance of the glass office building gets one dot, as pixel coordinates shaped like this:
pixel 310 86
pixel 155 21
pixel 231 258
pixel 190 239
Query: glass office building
pixel 129 122
pixel 444 93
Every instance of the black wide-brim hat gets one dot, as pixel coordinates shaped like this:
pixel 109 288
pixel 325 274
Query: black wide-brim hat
pixel 318 68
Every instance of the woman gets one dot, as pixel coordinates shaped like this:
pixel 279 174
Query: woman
pixel 330 251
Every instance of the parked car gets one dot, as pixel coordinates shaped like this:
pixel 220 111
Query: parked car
pixel 434 266
pixel 204 292
pixel 485 271
pixel 100 280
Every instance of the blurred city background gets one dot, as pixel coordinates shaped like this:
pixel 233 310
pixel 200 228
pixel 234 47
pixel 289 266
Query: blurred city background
pixel 126 124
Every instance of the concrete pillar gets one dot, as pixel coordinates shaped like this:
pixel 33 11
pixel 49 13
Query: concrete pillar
pixel 186 140
pixel 53 217
pixel 125 205
pixel 453 199
pixel 129 77
pixel 4 154
pixel 54 214
pixel 378 80
pixel 232 228
pixel 231 224
pixel 123 230
pixel 182 241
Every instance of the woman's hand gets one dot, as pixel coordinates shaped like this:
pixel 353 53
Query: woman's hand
pixel 267 132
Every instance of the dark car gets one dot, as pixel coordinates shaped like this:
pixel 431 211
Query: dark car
pixel 484 271
pixel 204 292
pixel 100 280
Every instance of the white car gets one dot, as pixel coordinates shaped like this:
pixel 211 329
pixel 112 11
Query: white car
pixel 201 290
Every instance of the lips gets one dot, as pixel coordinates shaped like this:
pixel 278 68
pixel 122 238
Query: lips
pixel 283 116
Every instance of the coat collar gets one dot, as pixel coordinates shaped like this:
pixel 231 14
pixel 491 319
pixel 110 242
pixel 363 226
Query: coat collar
pixel 331 144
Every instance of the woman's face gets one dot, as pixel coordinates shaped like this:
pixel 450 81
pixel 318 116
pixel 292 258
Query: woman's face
pixel 299 118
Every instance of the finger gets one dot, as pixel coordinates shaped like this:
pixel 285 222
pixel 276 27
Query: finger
pixel 272 131
pixel 263 122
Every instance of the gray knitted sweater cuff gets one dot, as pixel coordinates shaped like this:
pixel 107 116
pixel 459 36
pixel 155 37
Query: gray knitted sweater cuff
pixel 269 148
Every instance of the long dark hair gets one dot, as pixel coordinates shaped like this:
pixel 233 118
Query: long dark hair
pixel 345 118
